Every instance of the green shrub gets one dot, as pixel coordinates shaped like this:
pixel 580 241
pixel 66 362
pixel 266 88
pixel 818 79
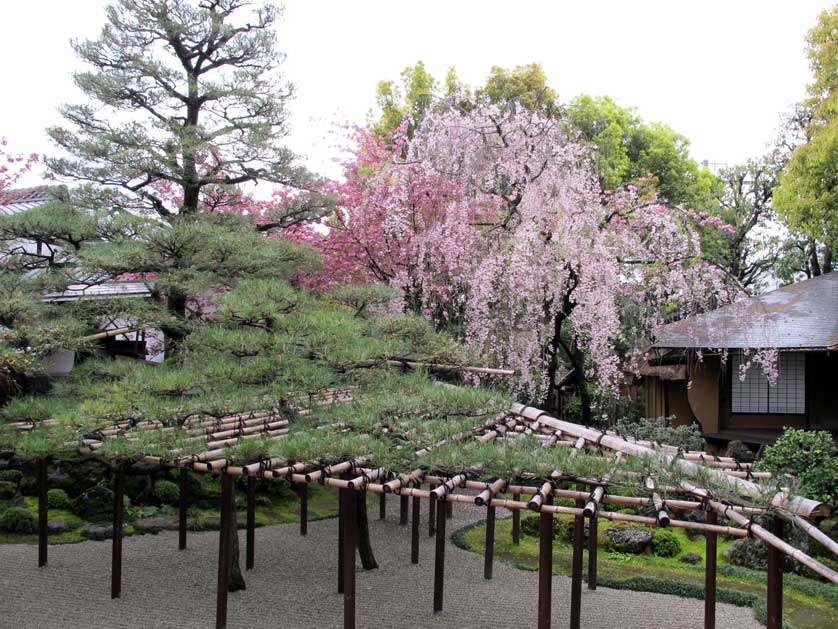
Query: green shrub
pixel 57 499
pixel 17 520
pixel 661 430
pixel 12 476
pixel 811 455
pixel 7 489
pixel 167 491
pixel 665 543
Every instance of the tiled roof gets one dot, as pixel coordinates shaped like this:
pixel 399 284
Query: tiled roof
pixel 802 315
pixel 114 290
pixel 14 201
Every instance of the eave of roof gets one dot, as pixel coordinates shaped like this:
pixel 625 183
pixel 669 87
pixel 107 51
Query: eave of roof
pixel 798 316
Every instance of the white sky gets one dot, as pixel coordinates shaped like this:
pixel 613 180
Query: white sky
pixel 718 72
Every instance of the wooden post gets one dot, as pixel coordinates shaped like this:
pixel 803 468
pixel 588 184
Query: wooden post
pixel 414 529
pixel 489 551
pixel 303 487
pixel 545 566
pixel 710 573
pixel 516 522
pixel 449 509
pixel 431 517
pixel 116 542
pixel 439 558
pixel 183 507
pixel 341 527
pixel 774 618
pixel 592 551
pixel 225 556
pixel 382 506
pixel 250 550
pixel 43 506
pixel 576 572
pixel 348 541
pixel 403 505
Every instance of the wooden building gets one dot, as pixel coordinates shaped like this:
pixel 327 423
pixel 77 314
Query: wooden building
pixel 694 366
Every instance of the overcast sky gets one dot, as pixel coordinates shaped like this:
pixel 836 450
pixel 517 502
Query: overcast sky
pixel 719 72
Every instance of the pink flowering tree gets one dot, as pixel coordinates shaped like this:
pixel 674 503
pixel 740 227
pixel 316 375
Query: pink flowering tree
pixel 492 220
pixel 12 168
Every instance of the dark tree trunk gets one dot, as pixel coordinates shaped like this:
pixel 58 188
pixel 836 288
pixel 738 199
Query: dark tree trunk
pixel 236 578
pixel 814 263
pixel 363 531
pixel 827 259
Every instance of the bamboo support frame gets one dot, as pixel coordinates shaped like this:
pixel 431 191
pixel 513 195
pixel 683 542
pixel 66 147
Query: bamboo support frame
pixel 439 557
pixel 774 586
pixel 225 558
pixel 43 514
pixel 183 507
pixel 221 433
pixel 711 555
pixel 116 541
pixel 545 566
pixel 250 551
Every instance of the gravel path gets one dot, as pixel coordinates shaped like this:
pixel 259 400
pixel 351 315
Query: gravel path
pixel 293 586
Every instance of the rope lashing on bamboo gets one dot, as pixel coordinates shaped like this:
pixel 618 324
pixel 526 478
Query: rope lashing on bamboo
pixel 794 504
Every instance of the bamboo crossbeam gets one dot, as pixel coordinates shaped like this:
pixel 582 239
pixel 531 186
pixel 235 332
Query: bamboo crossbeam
pixel 663 516
pixel 440 367
pixel 486 497
pixel 795 504
pixel 771 539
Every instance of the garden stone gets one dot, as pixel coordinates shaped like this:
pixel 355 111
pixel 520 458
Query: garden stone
pixel 628 539
pixel 155 524
pixel 690 558
pixel 60 525
pixel 96 532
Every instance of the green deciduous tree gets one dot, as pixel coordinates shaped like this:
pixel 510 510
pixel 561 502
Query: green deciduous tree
pixel 807 198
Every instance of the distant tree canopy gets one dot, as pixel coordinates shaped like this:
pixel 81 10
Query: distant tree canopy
pixel 807 198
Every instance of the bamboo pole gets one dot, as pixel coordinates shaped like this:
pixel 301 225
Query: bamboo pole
pixel 774 541
pixel 516 522
pixel 403 505
pixel 794 504
pixel 431 517
pixel 250 550
pixel 414 528
pixel 710 574
pixel 774 616
pixel 341 533
pixel 489 546
pixel 349 543
pixel 382 506
pixel 439 556
pixel 593 541
pixel 183 507
pixel 116 542
pixel 225 558
pixel 43 514
pixel 545 566
pixel 576 569
pixel 303 493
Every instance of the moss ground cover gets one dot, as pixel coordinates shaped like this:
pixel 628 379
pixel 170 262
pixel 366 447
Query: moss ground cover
pixel 807 604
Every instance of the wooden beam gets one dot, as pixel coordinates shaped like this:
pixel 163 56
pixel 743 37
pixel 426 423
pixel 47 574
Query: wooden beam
pixel 43 513
pixel 516 522
pixel 710 542
pixel 116 542
pixel 250 550
pixel 545 566
pixel 576 570
pixel 225 555
pixel 593 542
pixel 414 528
pixel 349 545
pixel 489 546
pixel 183 507
pixel 439 557
pixel 303 492
pixel 774 619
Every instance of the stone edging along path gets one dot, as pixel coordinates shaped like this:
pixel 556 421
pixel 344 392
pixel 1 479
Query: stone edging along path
pixel 293 586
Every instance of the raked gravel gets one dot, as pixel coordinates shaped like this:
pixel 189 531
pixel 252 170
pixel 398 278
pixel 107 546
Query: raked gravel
pixel 293 586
